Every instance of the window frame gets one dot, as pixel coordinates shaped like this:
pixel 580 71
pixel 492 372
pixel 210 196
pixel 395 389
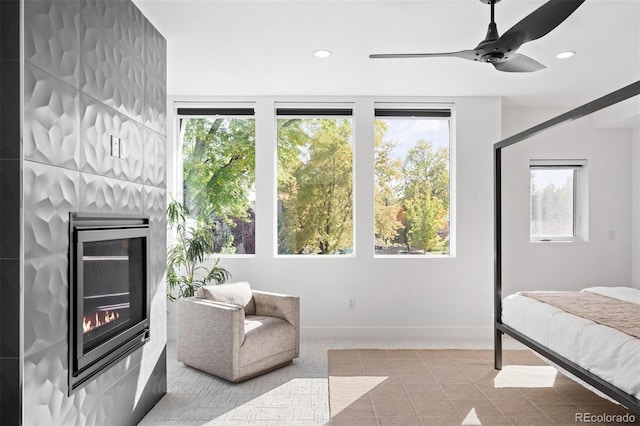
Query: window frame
pixel 190 110
pixel 315 110
pixel 399 110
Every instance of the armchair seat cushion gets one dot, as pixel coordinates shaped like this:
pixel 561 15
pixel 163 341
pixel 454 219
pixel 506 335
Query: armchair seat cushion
pixel 265 337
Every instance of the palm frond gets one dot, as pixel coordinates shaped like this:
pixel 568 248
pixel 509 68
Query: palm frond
pixel 176 213
pixel 185 258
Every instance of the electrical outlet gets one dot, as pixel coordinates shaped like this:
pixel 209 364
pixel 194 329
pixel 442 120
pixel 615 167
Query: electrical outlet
pixel 115 146
pixel 352 303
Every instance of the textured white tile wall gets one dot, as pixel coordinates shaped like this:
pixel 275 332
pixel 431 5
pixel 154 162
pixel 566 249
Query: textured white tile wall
pixel 93 69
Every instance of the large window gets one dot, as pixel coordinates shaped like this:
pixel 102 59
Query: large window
pixel 218 174
pixel 315 181
pixel 412 181
pixel 307 155
pixel 558 189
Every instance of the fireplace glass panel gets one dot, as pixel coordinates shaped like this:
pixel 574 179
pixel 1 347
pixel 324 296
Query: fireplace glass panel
pixel 108 293
pixel 112 296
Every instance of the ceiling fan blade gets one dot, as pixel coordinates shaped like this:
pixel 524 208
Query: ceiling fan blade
pixel 538 23
pixel 519 63
pixel 464 54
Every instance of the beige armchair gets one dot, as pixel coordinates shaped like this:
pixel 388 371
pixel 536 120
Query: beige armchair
pixel 257 332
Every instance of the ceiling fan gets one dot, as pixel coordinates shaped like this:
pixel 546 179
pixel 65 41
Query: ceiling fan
pixel 501 51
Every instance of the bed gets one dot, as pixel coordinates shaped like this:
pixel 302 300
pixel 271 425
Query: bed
pixel 601 356
pixel 603 350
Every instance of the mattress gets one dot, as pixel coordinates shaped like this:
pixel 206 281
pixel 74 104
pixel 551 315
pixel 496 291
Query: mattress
pixel 606 352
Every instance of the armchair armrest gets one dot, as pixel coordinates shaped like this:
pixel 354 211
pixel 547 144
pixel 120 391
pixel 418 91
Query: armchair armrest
pixel 278 305
pixel 209 334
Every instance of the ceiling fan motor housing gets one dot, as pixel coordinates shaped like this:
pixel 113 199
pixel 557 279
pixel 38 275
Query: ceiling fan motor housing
pixel 492 57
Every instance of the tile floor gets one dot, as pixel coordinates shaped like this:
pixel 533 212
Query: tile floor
pixel 296 395
pixel 456 387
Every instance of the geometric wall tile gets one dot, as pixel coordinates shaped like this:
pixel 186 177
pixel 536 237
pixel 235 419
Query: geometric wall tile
pixel 110 402
pixel 10 30
pixel 111 75
pixel 108 399
pixel 51 38
pixel 50 193
pixel 9 308
pixel 104 408
pixel 155 104
pixel 155 159
pixel 10 391
pixel 130 97
pixel 129 29
pixel 45 387
pixel 155 46
pixel 158 268
pixel 10 75
pixel 105 195
pixel 120 22
pixel 132 133
pixel 159 318
pixel 155 205
pixel 10 179
pixel 50 120
pixel 153 364
pixel 98 16
pixel 99 123
pixel 154 370
pixel 125 402
pixel 46 302
pixel 108 406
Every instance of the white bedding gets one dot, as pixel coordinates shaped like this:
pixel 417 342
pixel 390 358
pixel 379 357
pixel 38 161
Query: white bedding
pixel 605 351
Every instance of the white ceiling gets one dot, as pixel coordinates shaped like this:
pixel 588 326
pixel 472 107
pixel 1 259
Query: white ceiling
pixel 264 47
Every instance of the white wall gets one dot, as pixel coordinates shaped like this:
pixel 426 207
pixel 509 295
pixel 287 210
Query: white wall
pixel 413 297
pixel 606 258
pixel 635 251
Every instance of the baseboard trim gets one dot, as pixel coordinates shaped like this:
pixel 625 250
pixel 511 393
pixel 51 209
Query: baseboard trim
pixel 474 336
pixel 424 337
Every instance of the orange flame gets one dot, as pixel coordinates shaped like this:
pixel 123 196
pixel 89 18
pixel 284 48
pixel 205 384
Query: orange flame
pixel 88 325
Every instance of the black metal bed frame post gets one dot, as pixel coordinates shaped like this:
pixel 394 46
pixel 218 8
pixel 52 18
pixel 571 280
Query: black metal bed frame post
pixel 497 274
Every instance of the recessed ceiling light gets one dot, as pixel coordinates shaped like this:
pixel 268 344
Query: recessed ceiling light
pixel 565 55
pixel 322 53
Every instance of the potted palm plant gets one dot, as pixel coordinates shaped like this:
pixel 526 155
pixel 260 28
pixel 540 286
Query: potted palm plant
pixel 185 271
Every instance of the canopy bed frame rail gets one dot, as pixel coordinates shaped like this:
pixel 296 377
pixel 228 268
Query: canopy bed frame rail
pixel 630 401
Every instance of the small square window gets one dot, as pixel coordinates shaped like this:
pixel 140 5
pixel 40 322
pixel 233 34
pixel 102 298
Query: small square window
pixel 558 200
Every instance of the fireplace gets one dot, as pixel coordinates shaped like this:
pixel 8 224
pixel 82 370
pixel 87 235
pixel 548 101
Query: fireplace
pixel 109 299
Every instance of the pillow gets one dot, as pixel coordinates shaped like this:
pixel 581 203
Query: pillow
pixel 235 293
